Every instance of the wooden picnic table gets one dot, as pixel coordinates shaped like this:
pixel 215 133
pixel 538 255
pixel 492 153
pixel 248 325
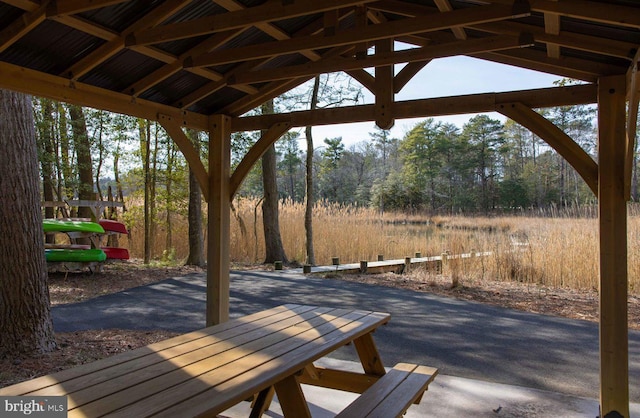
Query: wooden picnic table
pixel 208 371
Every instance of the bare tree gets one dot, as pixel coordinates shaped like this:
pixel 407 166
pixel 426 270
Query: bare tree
pixel 25 319
pixel 196 239
pixel 310 200
pixel 270 219
pixel 83 153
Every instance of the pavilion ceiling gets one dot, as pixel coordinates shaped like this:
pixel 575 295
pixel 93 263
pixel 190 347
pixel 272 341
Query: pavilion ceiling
pixel 188 60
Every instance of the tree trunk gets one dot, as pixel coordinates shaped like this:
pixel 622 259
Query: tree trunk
pixel 100 147
pixel 48 156
pixel 83 152
pixel 310 195
pixel 273 241
pixel 25 319
pixel 66 172
pixel 271 223
pixel 196 239
pixel 153 180
pixel 169 189
pixel 145 151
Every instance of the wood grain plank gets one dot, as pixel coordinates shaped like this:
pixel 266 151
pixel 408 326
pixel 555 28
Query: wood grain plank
pixel 134 355
pixel 227 386
pixel 246 350
pixel 123 376
pixel 184 382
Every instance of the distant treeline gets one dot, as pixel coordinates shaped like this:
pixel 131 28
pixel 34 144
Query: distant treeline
pixel 484 166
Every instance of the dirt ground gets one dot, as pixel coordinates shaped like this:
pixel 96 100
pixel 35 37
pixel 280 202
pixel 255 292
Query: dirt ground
pixel 81 347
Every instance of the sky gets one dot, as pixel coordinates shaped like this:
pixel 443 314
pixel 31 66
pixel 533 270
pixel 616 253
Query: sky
pixel 440 78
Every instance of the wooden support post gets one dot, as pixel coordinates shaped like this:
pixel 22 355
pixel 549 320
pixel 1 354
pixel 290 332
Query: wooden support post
pixel 384 88
pixel 363 266
pixel 219 219
pixel 614 350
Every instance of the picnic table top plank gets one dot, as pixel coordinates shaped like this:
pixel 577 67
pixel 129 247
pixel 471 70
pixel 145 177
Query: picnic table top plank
pixel 177 357
pixel 219 389
pixel 209 370
pixel 38 383
pixel 173 372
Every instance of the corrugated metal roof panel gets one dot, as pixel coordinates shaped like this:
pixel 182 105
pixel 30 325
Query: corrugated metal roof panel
pixel 51 48
pixel 175 87
pixel 218 100
pixel 122 15
pixel 8 14
pixel 121 70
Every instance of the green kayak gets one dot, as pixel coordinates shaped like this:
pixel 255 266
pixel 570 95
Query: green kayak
pixel 75 255
pixel 55 225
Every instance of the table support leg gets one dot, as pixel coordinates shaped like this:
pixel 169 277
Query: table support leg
pixel 292 399
pixel 261 402
pixel 369 356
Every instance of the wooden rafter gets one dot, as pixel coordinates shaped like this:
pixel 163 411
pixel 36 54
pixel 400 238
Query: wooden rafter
pixel 584 165
pixel 57 88
pixel 443 106
pixel 581 42
pixel 210 88
pixel 83 25
pixel 112 47
pixel 173 67
pixel 267 92
pixel 564 67
pixel 69 7
pixel 27 5
pixel 265 13
pixel 174 64
pixel 552 27
pixel 353 36
pixel 601 12
pixel 19 28
pixel 472 46
pixel 445 6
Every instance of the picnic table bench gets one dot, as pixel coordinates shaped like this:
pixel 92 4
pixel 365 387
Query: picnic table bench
pixel 205 372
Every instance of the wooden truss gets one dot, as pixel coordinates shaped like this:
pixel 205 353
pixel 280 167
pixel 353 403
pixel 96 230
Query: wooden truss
pixel 202 65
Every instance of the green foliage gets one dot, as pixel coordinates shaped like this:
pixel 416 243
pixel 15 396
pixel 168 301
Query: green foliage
pixel 437 167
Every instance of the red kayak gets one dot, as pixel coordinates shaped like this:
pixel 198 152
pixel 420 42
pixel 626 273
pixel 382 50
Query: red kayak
pixel 116 253
pixel 113 226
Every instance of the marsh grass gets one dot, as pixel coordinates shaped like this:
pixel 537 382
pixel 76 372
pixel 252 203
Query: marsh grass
pixel 553 251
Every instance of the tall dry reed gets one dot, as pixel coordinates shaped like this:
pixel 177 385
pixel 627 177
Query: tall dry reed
pixel 558 251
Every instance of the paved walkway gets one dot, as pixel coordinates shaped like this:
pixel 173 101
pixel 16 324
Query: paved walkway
pixel 472 341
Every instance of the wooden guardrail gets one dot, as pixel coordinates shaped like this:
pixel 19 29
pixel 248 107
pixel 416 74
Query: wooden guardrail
pixel 397 266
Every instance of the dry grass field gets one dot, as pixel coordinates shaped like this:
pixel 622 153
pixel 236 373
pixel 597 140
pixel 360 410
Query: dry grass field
pixel 558 251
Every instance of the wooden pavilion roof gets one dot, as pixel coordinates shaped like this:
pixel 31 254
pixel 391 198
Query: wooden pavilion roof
pixel 189 59
pixel 205 63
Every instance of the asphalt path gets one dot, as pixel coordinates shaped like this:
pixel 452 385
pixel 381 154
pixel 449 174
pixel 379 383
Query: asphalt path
pixel 461 338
